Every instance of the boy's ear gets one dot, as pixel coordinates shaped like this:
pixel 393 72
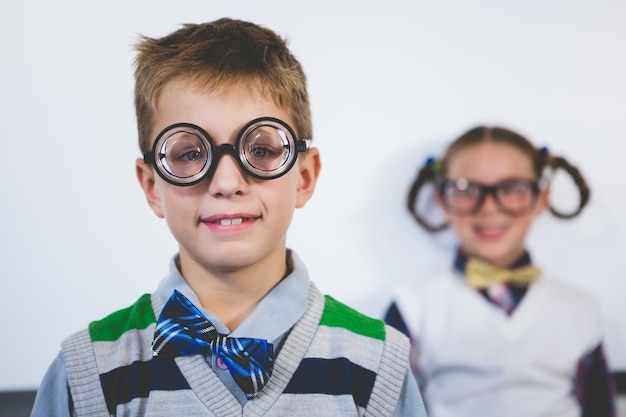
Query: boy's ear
pixel 145 176
pixel 309 169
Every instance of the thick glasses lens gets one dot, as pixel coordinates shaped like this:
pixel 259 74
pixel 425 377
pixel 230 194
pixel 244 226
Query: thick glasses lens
pixel 182 154
pixel 267 148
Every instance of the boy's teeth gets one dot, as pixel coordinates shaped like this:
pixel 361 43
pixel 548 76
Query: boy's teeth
pixel 226 222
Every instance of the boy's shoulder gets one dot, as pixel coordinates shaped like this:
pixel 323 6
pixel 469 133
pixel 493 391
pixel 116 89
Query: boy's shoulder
pixel 137 316
pixel 369 335
pixel 339 315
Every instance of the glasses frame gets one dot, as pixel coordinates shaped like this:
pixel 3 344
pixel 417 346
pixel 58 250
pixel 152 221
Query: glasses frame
pixel 156 158
pixel 492 190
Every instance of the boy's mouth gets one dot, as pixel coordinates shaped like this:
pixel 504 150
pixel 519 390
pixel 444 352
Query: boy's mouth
pixel 236 220
pixel 230 220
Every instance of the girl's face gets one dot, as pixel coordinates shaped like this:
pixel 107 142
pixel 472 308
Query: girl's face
pixel 489 233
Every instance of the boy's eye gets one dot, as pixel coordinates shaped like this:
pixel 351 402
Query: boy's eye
pixel 185 148
pixel 264 144
pixel 180 154
pixel 260 152
pixel 190 156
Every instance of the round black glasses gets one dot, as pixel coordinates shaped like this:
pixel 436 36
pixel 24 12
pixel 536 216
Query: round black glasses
pixel 184 154
pixel 513 196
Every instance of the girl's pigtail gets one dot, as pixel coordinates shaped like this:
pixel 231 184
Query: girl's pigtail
pixel 429 172
pixel 556 162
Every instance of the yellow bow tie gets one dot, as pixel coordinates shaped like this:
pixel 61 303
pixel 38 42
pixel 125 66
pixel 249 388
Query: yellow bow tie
pixel 481 275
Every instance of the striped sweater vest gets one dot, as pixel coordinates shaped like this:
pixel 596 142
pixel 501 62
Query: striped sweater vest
pixel 334 362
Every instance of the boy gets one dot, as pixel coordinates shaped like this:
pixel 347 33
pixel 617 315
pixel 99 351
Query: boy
pixel 236 327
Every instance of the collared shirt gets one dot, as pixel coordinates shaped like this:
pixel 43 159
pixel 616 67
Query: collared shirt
pixel 271 319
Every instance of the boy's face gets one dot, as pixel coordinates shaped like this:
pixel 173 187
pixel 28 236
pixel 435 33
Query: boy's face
pixel 229 222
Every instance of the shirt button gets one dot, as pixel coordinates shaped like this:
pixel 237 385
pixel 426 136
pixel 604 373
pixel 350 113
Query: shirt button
pixel 220 363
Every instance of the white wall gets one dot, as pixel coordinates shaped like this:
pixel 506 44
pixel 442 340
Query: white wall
pixel 389 81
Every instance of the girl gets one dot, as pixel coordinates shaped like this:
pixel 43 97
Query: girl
pixel 495 336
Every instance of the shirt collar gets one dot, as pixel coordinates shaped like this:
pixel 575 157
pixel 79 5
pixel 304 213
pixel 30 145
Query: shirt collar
pixel 275 314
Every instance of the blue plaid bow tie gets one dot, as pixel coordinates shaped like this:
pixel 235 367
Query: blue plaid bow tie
pixel 183 330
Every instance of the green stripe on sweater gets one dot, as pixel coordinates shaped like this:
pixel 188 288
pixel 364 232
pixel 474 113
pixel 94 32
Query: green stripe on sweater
pixel 337 314
pixel 138 316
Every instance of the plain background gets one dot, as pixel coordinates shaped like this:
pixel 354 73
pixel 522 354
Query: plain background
pixel 390 83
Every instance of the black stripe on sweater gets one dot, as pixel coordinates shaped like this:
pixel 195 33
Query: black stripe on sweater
pixel 136 380
pixel 333 377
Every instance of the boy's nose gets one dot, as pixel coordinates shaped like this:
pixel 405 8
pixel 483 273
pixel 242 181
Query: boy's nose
pixel 227 178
